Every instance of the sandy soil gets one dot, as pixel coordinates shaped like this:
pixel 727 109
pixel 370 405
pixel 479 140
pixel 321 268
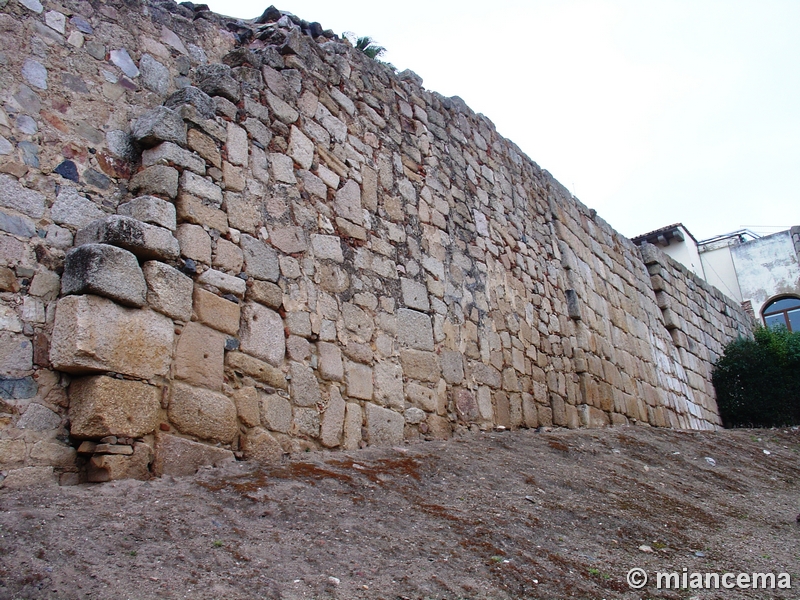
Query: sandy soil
pixel 561 514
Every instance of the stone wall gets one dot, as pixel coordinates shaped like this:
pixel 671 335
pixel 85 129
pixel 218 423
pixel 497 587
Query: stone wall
pixel 225 239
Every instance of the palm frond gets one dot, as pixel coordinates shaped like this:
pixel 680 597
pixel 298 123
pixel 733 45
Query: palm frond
pixel 368 46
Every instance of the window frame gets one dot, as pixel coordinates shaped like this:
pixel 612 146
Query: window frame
pixel 765 312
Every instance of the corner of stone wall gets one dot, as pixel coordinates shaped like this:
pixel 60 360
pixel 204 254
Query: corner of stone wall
pixel 700 320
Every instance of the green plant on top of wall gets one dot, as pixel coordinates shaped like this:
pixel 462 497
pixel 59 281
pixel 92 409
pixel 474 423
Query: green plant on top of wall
pixel 368 46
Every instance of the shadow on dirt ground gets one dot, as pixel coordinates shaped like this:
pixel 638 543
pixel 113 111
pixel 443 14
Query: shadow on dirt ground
pixel 561 514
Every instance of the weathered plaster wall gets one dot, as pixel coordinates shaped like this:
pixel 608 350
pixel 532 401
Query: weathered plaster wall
pixel 767 267
pixel 225 239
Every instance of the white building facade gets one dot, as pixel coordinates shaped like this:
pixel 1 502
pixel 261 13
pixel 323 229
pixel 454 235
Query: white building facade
pixel 760 272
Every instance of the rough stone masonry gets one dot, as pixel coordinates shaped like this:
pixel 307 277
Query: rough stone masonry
pixel 226 239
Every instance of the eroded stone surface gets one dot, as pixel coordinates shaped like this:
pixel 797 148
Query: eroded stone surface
pixel 301 149
pixel 200 356
pixel 384 426
pixel 145 241
pixel 305 422
pixel 260 261
pixel 452 367
pixel 94 334
pixel 214 311
pixel 73 209
pixel 107 467
pixel 194 242
pixel 241 363
pixel 359 381
pixel 260 446
pixel 414 329
pixel 168 290
pixel 423 366
pixel 353 421
pixel 16 354
pixel 160 180
pixel 102 406
pixel 13 195
pixel 261 333
pixel 39 418
pixel 327 247
pixel 348 202
pixel 415 295
pixel 30 477
pixel 276 413
pixel 304 388
pixel 332 424
pixel 105 271
pixel 158 125
pixel 203 413
pixel 224 282
pixel 180 457
pixel 330 361
pixel 248 405
pixel 150 209
pixel 167 153
pixel 389 385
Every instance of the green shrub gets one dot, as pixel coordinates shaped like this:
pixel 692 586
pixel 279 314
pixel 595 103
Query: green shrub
pixel 758 380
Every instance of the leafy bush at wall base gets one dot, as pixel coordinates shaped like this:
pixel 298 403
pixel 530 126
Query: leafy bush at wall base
pixel 758 381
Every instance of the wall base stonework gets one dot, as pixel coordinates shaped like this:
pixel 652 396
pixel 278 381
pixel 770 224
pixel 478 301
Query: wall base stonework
pixel 231 240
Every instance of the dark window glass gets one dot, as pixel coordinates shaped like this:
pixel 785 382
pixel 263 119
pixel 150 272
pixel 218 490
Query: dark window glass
pixel 794 319
pixel 775 320
pixel 783 313
pixel 782 305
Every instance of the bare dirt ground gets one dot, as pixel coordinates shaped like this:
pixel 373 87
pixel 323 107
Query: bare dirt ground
pixel 562 514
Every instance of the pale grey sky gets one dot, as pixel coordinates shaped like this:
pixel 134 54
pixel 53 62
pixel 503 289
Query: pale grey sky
pixel 650 112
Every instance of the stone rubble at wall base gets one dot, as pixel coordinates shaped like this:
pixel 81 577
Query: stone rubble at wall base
pixel 223 239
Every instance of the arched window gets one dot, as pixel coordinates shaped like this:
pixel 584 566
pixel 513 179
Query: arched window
pixel 783 312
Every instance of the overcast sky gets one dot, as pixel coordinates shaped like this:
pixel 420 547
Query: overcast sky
pixel 650 112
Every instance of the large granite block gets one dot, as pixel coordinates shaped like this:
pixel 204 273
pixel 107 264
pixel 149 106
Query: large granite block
pixel 145 241
pixel 106 271
pixel 93 334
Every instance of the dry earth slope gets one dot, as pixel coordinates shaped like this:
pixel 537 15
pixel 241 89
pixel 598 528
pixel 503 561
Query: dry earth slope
pixel 557 514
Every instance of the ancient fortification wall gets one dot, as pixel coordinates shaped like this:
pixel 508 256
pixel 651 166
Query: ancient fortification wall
pixel 225 239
